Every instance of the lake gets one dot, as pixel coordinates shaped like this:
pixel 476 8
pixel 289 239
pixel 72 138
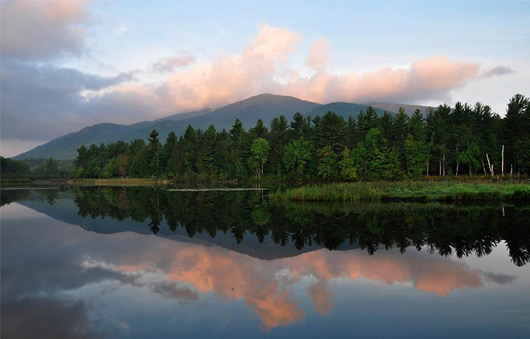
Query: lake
pixel 147 262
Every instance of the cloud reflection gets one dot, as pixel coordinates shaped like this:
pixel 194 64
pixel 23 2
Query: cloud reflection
pixel 67 258
pixel 232 275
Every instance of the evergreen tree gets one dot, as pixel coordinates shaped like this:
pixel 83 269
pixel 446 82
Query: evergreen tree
pixel 299 126
pixel 165 156
pixel 260 130
pixel 367 121
pixel 153 149
pixel 463 140
pixel 331 131
pixel 279 137
pixel 51 168
pixel 516 120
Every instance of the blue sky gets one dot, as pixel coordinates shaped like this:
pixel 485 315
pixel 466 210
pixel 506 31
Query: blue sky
pixel 87 62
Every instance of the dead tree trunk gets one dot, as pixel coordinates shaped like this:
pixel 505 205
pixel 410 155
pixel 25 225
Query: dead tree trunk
pixel 457 161
pixel 490 166
pixel 502 161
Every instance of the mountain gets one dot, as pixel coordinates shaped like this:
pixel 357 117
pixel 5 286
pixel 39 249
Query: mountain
pixel 343 109
pixel 263 106
pixel 409 109
pixel 182 116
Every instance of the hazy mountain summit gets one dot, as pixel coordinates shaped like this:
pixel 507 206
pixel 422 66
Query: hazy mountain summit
pixel 409 109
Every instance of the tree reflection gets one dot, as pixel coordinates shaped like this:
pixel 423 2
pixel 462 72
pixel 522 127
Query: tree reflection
pixel 445 229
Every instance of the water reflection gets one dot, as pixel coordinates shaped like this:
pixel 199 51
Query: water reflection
pixel 445 229
pixel 73 275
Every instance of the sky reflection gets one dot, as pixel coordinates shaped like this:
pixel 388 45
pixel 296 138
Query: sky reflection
pixel 49 265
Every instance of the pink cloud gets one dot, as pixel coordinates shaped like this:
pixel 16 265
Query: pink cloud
pixel 318 55
pixel 42 29
pixel 425 79
pixel 260 65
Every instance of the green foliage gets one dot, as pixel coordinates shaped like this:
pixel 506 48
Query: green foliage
pixel 327 165
pixel 348 170
pixel 297 155
pixel 153 156
pixel 260 151
pixel 11 166
pixel 522 149
pixel 416 156
pixel 441 141
pixel 51 168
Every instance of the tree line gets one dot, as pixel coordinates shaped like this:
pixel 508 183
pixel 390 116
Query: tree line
pixel 460 230
pixel 442 141
pixel 35 168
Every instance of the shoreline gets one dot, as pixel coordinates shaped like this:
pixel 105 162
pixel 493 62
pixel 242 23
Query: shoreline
pixel 119 182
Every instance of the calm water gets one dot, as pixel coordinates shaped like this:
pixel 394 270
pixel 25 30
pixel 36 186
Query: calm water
pixel 147 263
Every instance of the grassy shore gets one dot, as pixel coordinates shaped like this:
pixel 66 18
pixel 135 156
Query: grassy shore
pixel 407 191
pixel 118 182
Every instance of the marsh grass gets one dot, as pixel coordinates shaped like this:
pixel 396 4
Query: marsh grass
pixel 406 191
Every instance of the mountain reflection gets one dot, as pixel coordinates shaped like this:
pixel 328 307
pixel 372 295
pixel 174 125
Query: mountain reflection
pixel 446 229
pixel 65 259
pixel 78 258
pixel 462 230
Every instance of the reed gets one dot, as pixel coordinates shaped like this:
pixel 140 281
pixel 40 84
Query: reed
pixel 406 191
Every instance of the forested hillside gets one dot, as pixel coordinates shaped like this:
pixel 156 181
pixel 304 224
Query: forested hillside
pixel 441 141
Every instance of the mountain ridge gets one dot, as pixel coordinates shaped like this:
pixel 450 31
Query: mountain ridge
pixel 263 106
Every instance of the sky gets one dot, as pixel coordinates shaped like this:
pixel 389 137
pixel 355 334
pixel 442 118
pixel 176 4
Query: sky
pixel 66 65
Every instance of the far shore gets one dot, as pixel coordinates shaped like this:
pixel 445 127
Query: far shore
pixel 119 182
pixel 451 189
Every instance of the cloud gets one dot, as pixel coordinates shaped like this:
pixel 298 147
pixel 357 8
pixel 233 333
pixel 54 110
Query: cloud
pixel 320 297
pixel 173 291
pixel 425 79
pixel 169 64
pixel 263 66
pixel 44 93
pixel 229 78
pixel 30 317
pixel 318 55
pixel 499 278
pixel 497 71
pixel 33 30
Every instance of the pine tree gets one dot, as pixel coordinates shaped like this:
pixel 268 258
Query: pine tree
pixel 154 148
